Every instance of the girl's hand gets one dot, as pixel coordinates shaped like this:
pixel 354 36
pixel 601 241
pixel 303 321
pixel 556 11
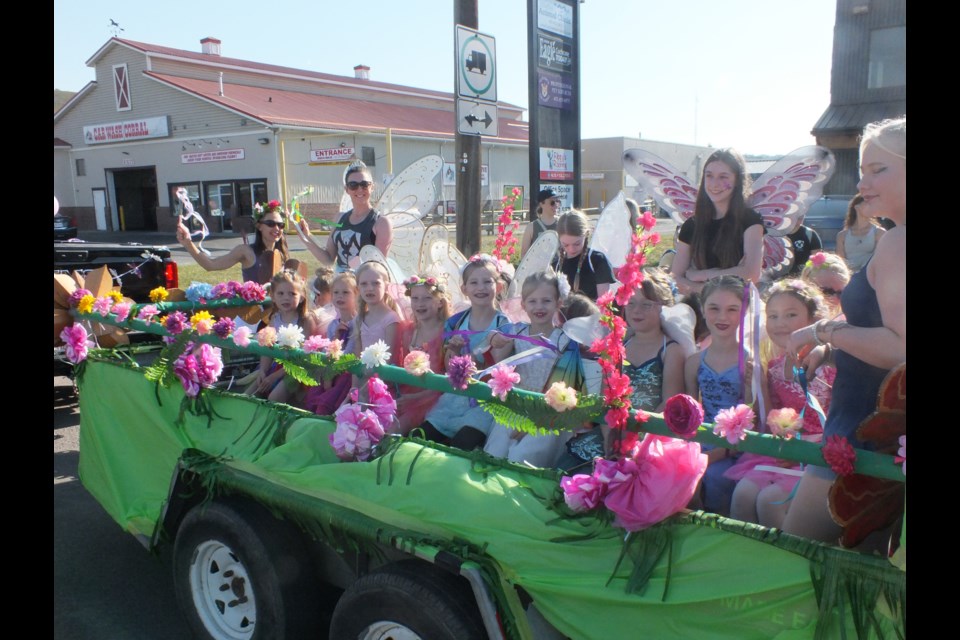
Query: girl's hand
pixel 499 341
pixel 455 344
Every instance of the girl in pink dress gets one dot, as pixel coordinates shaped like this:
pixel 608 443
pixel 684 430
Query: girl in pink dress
pixel 764 483
pixel 429 308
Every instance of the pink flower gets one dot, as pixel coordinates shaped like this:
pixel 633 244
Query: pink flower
pixel 176 322
pixel 335 349
pixel 733 423
pixel 384 406
pixel 839 454
pixel 560 397
pixel 102 305
pixel 148 313
pixel 314 344
pixel 502 379
pixel 516 191
pixel 223 327
pixel 784 423
pixel 356 434
pixel 582 492
pixel 241 336
pixel 122 311
pixel 683 415
pixel 902 453
pixel 818 259
pixel 203 326
pixel 76 342
pixel 185 368
pixel 209 365
pixel 417 362
pixel 224 290
pixel 252 292
pixel 459 371
pixel 267 337
pixel 648 222
pixel 77 295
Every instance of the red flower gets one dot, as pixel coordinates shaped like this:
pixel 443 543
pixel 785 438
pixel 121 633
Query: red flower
pixel 683 415
pixel 839 454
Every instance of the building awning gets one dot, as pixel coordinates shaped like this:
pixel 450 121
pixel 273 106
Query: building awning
pixel 851 118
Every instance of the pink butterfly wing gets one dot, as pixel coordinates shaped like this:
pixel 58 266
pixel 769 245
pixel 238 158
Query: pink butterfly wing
pixel 785 191
pixel 777 254
pixel 664 182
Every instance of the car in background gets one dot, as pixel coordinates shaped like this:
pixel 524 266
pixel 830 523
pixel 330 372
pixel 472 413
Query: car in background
pixel 63 227
pixel 826 217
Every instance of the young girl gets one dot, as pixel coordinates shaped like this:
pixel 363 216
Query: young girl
pixel 325 398
pixel 540 299
pixel 714 376
pixel 830 274
pixel 760 496
pixel 454 419
pixel 288 293
pixel 429 308
pixel 321 287
pixel 378 314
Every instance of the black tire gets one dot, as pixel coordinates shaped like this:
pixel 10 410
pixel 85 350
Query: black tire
pixel 241 574
pixel 405 598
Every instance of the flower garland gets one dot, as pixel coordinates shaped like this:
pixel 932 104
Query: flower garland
pixel 506 243
pixel 361 425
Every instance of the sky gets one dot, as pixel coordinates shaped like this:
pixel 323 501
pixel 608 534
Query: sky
pixel 749 74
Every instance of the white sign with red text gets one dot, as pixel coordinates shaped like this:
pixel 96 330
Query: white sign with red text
pixel 334 154
pixel 127 130
pixel 216 155
pixel 556 164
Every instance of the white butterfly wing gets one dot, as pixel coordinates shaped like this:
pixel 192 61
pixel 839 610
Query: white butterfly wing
pixel 407 237
pixel 415 189
pixel 786 190
pixel 664 182
pixel 370 252
pixel 538 257
pixel 442 260
pixel 612 234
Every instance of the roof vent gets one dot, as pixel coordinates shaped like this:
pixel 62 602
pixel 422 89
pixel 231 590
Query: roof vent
pixel 210 46
pixel 361 72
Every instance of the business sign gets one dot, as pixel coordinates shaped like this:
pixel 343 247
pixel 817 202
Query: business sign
pixel 556 17
pixel 556 164
pixel 554 54
pixel 332 155
pixel 214 155
pixel 554 90
pixel 126 130
pixel 564 193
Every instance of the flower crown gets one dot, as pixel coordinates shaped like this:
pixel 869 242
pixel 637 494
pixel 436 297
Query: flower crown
pixel 260 210
pixel 484 258
pixel 432 284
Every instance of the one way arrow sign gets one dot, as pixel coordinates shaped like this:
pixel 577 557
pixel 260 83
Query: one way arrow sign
pixel 476 117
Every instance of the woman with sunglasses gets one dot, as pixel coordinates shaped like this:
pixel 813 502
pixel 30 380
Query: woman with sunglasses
pixel 269 220
pixel 356 228
pixel 548 206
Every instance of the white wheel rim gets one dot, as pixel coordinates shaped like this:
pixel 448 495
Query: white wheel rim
pixel 386 630
pixel 222 593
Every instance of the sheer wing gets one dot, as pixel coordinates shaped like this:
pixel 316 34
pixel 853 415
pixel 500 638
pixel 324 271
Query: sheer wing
pixel 442 260
pixel 777 255
pixel 611 236
pixel 407 237
pixel 538 257
pixel 431 234
pixel 370 252
pixel 414 190
pixel 787 189
pixel 664 182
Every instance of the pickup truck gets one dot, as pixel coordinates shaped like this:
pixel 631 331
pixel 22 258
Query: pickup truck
pixel 425 541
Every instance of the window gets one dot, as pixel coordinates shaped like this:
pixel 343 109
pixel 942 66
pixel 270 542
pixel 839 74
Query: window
pixel 888 58
pixel 369 156
pixel 121 87
pixel 81 167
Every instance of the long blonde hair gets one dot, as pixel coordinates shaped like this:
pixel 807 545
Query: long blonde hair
pixel 362 304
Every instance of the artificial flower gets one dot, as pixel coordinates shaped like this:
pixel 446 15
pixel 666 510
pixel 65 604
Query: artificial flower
pixel 148 313
pixel 176 322
pixel 459 371
pixel 241 336
pixel 115 296
pixel 502 379
pixel 199 292
pixel 582 492
pixel 85 305
pixel 902 453
pixel 122 311
pixel 375 355
pixel 76 342
pixel 357 432
pixel 417 362
pixel 560 397
pixel 223 327
pixel 225 290
pixel 78 295
pixel 648 222
pixel 252 291
pixel 733 423
pixel 381 401
pixel 334 349
pixel 784 423
pixel 102 305
pixel 818 259
pixel 315 343
pixel 159 294
pixel 209 364
pixel 683 414
pixel 202 322
pixel 267 337
pixel 185 368
pixel 290 335
pixel 839 454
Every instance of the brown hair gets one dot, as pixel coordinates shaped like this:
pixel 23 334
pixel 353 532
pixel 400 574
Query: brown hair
pixel 728 243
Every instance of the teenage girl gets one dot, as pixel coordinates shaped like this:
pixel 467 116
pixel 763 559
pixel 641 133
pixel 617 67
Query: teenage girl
pixel 714 376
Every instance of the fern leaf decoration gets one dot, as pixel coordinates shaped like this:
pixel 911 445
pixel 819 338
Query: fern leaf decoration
pixel 534 416
pixel 161 371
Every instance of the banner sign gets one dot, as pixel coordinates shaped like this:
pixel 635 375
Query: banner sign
pixel 332 155
pixel 214 155
pixel 126 130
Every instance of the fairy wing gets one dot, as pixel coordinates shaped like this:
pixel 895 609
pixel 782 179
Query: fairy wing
pixel 407 237
pixel 612 234
pixel 664 182
pixel 538 257
pixel 786 190
pixel 442 260
pixel 414 190
pixel 370 252
pixel 777 255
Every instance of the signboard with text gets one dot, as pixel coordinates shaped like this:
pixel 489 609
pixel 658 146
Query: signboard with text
pixel 332 155
pixel 126 130
pixel 214 155
pixel 556 164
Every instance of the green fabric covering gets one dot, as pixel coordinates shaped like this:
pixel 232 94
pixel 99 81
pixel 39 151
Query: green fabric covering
pixel 726 579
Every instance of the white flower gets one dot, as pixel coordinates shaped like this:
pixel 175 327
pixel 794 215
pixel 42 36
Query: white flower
pixel 375 355
pixel 290 335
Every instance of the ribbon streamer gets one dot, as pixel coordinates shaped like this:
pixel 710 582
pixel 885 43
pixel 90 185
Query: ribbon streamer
pixel 190 213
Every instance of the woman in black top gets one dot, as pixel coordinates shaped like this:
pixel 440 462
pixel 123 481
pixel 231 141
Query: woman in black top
pixel 724 236
pixel 588 272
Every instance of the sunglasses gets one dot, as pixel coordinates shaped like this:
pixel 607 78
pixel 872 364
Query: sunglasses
pixel 552 203
pixel 273 224
pixel 827 291
pixel 353 185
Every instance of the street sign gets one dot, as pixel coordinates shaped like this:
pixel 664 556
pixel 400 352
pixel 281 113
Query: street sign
pixel 476 117
pixel 476 65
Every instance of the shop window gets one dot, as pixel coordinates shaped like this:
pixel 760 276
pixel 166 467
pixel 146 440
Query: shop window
pixel 369 156
pixel 888 58
pixel 81 167
pixel 121 87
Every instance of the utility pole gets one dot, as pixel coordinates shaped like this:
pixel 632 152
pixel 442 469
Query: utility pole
pixel 468 155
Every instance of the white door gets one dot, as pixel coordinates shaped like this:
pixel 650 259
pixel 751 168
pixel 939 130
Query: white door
pixel 100 208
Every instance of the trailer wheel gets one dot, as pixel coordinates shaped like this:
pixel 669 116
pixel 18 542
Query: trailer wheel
pixel 408 600
pixel 240 574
